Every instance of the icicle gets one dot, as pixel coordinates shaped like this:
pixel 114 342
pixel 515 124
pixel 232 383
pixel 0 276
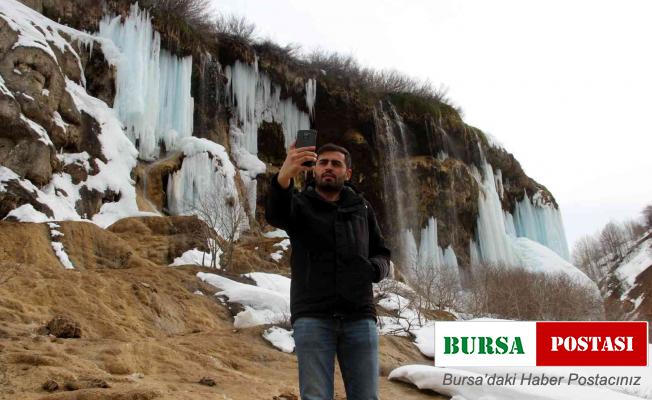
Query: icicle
pixel 493 243
pixel 152 87
pixel 450 259
pixel 509 224
pixel 499 183
pixel 250 166
pixel 474 254
pixel 311 96
pixel 256 100
pixel 541 223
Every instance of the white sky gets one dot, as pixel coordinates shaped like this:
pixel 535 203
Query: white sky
pixel 566 86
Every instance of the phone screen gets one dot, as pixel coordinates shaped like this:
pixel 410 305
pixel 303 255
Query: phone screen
pixel 306 138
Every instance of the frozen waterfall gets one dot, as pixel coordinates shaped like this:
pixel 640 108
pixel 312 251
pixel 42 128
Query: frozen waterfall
pixel 503 239
pixel 542 223
pixel 153 97
pixel 428 255
pixel 493 244
pixel 257 99
pixel 205 184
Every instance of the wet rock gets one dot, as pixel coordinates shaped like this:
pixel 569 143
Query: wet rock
pixel 207 381
pixel 63 327
pixel 16 195
pixel 70 386
pixel 98 383
pixel 50 385
pixel 286 396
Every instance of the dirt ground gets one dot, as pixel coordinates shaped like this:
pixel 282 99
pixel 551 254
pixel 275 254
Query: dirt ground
pixel 144 334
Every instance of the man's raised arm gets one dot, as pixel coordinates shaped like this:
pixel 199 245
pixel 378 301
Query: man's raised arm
pixel 279 193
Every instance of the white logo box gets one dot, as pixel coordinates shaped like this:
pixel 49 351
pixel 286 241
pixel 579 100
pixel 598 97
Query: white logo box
pixel 526 330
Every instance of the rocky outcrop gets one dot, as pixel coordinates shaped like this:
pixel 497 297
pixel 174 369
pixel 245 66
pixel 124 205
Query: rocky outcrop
pixel 161 239
pixel 63 327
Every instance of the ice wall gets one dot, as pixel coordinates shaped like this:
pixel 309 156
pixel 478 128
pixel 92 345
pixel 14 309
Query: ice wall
pixel 493 244
pixel 250 166
pixel 256 99
pixel 205 184
pixel 496 240
pixel 428 254
pixel 542 223
pixel 153 97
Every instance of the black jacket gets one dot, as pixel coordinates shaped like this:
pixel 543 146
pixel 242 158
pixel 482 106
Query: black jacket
pixel 337 251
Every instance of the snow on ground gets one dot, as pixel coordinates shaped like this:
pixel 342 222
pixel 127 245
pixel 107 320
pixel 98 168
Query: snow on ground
pixel 266 303
pixel 281 338
pixel 196 257
pixel 635 263
pixel 62 255
pixel 263 305
pixel 284 245
pixel 280 233
pixel 430 377
pixel 57 246
pixel 275 282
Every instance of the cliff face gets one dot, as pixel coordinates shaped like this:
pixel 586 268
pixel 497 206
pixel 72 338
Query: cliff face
pixel 414 157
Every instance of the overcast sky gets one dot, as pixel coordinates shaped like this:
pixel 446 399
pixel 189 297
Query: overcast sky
pixel 566 86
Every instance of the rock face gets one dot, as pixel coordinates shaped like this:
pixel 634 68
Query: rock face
pixel 413 157
pixel 39 120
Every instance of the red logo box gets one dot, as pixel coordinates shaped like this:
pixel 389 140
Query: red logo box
pixel 592 343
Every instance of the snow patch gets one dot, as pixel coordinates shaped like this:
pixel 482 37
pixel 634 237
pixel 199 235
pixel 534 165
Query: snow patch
pixel 196 257
pixel 262 305
pixel 280 338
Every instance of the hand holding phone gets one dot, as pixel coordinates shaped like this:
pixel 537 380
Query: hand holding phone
pixel 301 157
pixel 307 138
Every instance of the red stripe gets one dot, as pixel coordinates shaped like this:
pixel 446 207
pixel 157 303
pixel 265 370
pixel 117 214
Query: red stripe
pixel 586 343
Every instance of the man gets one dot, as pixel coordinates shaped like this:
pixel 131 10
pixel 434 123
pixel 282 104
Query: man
pixel 337 252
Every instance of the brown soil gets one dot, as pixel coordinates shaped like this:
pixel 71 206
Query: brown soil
pixel 144 334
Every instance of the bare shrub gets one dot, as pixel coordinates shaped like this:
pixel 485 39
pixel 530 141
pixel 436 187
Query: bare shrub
pixel 268 47
pixel 284 321
pixel 633 229
pixel 587 253
pixel 235 27
pixel 612 238
pixel 192 12
pixel 514 293
pixel 407 315
pixel 390 81
pixel 187 20
pixel 436 287
pixel 224 220
pixel 647 216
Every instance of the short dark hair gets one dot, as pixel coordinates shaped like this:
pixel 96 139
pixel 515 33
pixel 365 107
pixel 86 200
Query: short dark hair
pixel 339 149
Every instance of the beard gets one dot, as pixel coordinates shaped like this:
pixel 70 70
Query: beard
pixel 333 185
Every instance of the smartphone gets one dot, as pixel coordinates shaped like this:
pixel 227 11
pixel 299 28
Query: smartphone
pixel 306 138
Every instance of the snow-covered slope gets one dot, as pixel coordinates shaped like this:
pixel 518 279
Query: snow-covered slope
pixel 627 287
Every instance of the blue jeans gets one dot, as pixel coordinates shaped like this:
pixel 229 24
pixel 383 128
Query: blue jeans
pixel 318 340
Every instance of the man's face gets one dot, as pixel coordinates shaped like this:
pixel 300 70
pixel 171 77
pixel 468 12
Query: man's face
pixel 331 171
